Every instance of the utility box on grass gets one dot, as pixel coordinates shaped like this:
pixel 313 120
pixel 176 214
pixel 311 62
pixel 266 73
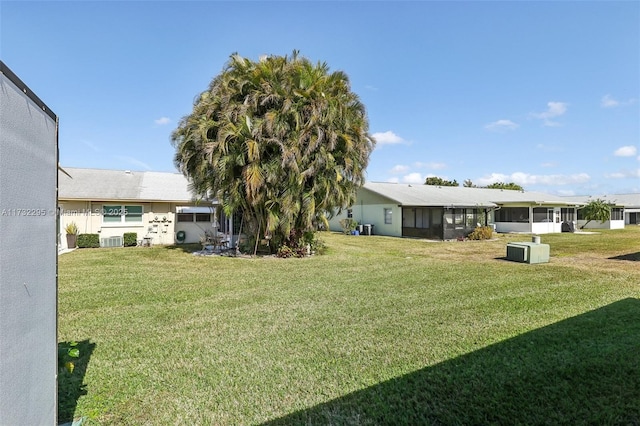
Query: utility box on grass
pixel 526 252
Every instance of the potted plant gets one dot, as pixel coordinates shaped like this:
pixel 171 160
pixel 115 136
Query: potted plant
pixel 72 234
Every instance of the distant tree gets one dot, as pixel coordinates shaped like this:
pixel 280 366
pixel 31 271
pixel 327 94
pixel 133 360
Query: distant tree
pixel 434 180
pixel 596 210
pixel 282 141
pixel 468 184
pixel 501 185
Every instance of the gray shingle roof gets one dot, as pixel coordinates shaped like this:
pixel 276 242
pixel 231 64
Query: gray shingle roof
pixel 456 196
pixel 99 184
pixel 625 200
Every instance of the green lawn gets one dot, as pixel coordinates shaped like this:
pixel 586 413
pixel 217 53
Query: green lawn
pixel 377 331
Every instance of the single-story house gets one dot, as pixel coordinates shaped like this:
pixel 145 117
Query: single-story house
pixel 157 206
pixel 441 212
pixel 625 210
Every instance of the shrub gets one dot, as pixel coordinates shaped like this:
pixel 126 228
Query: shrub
pixel 348 225
pixel 130 239
pixel 88 241
pixel 301 246
pixel 285 252
pixel 481 233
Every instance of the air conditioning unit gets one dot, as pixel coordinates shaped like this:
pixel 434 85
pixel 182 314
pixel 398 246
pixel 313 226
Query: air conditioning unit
pixel 517 252
pixel 111 242
pixel 528 252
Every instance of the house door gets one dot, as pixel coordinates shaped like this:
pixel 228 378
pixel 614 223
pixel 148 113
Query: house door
pixel 550 220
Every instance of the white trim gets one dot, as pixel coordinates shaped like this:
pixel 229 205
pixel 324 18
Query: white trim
pixel 189 209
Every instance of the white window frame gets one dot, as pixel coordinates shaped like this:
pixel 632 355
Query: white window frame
pixel 123 215
pixel 388 216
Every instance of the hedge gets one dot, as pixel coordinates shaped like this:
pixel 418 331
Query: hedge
pixel 130 239
pixel 88 241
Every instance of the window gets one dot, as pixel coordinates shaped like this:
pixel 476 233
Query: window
pixel 617 213
pixel 459 218
pixel 436 216
pixel 408 218
pixel 119 214
pixel 387 216
pixel 423 218
pixel 194 217
pixel 471 218
pixel 185 217
pixel 568 214
pixel 513 214
pixel 203 217
pixel 454 218
pixel 426 213
pixel 542 214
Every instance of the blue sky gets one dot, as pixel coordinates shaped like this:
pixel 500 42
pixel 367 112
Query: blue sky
pixel 543 94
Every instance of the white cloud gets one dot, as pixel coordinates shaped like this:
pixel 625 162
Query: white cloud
pixel 387 138
pixel 616 175
pixel 399 169
pixel 432 165
pixel 162 121
pixel 393 180
pixel 626 151
pixel 624 174
pixel 554 109
pixel 525 179
pixel 501 126
pixel 608 101
pixel 413 178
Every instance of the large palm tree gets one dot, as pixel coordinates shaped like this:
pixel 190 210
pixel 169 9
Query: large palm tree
pixel 281 140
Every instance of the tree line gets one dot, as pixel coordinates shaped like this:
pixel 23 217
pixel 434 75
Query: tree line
pixel 438 181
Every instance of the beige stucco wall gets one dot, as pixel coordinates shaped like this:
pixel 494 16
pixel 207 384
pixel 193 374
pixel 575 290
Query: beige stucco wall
pixel 158 220
pixel 193 230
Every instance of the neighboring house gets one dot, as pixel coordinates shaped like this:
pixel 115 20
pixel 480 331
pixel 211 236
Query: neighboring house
pixel 631 204
pixel 440 212
pixel 625 210
pixel 154 205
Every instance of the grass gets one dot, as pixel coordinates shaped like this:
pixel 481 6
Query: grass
pixel 377 331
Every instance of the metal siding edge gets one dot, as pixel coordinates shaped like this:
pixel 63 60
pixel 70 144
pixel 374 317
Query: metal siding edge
pixel 4 69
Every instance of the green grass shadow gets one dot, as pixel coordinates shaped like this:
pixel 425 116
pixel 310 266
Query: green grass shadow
pixel 631 257
pixel 71 385
pixel 582 370
pixel 186 248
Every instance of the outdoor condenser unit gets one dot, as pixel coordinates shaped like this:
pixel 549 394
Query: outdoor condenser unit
pixel 528 252
pixel 517 252
pixel 111 242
